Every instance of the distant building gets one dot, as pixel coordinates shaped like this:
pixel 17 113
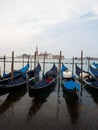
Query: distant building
pixel 47 55
pixel 57 57
pixel 41 55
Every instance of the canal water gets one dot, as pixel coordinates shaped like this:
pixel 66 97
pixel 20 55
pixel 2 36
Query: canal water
pixel 50 110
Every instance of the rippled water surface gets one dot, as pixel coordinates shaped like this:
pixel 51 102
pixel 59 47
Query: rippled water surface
pixel 50 110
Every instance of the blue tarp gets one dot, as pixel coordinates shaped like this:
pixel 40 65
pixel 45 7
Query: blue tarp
pixel 95 64
pixel 94 71
pixel 64 68
pixel 17 72
pixel 72 85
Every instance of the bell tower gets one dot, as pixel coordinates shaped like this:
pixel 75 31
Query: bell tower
pixel 36 50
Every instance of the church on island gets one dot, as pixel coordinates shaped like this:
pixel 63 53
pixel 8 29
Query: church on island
pixel 47 55
pixel 41 55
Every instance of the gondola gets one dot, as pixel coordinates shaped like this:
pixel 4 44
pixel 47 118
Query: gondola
pixel 69 83
pixel 94 72
pixel 23 80
pixel 95 64
pixel 16 73
pixel 87 78
pixel 48 80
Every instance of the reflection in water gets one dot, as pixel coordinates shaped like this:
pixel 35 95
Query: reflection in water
pixel 93 92
pixel 39 99
pixel 12 97
pixel 58 102
pixel 72 106
pixel 2 92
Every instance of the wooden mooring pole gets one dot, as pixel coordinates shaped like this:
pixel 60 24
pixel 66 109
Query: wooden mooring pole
pixel 4 64
pixel 34 59
pixel 23 60
pixel 0 71
pixel 28 59
pixel 73 66
pixel 88 63
pixel 44 64
pixel 31 64
pixel 12 65
pixel 81 69
pixel 59 71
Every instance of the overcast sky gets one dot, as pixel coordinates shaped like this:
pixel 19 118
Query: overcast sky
pixel 53 25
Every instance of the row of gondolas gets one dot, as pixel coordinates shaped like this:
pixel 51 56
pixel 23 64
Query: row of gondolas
pixel 73 83
pixel 24 76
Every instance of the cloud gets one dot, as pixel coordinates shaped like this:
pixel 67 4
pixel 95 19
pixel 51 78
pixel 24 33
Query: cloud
pixel 45 11
pixel 95 9
pixel 26 21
